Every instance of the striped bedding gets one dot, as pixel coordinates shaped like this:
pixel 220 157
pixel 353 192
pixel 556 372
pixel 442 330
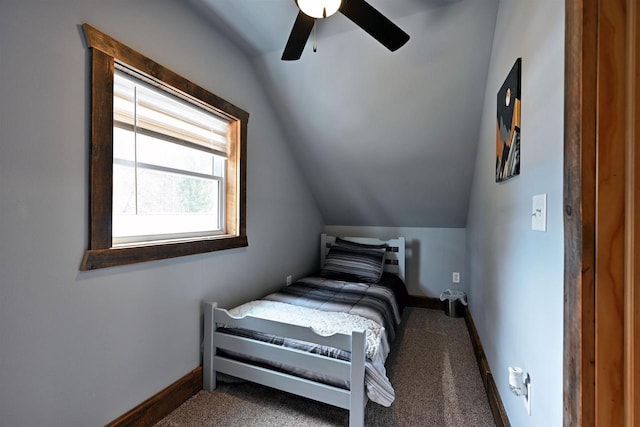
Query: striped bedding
pixel 316 302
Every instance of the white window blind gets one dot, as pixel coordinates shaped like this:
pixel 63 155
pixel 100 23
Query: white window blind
pixel 169 161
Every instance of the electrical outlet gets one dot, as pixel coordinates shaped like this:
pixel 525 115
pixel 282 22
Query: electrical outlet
pixel 289 280
pixel 456 277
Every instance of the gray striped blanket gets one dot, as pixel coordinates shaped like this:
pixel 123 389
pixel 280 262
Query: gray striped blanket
pixel 364 306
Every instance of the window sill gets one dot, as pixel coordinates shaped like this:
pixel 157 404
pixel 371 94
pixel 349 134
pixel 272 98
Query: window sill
pixel 104 258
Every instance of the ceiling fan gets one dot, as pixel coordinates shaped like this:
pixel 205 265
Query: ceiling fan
pixel 358 11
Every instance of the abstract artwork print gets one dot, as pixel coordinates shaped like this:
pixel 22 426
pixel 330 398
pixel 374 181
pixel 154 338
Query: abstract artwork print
pixel 508 126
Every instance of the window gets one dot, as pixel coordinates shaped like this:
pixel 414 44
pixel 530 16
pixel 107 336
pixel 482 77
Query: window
pixel 168 162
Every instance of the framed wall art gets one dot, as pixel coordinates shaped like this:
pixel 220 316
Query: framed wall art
pixel 508 126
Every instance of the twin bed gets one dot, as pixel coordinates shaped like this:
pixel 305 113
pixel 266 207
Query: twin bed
pixel 325 337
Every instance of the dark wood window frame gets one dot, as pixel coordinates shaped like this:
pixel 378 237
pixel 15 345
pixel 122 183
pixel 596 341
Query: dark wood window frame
pixel 105 51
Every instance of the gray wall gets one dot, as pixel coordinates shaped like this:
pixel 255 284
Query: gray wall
pixel 516 274
pixel 432 255
pixel 388 138
pixel 80 349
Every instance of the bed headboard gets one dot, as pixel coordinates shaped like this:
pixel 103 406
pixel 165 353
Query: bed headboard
pixel 394 258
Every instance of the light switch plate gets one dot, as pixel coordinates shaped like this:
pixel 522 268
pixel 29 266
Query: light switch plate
pixel 539 213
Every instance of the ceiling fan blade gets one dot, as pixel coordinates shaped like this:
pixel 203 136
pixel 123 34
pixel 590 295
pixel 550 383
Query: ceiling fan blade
pixel 374 23
pixel 298 37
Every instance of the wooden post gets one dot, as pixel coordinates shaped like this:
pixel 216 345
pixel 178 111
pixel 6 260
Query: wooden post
pixel 358 396
pixel 209 352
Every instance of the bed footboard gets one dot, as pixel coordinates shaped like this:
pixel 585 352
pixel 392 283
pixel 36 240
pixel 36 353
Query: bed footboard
pixel 354 399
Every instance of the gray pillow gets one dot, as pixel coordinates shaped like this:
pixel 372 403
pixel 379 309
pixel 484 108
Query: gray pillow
pixel 354 261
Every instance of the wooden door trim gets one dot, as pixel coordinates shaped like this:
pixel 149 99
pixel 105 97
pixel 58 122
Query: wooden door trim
pixel 602 225
pixel 611 121
pixel 579 211
pixel 632 291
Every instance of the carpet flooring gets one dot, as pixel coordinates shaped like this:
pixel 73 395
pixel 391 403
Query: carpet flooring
pixel 431 366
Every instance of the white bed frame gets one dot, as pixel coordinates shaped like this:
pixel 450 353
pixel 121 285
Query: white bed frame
pixel 354 400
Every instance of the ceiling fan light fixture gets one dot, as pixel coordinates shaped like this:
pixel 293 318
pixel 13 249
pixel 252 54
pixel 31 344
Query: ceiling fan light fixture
pixel 319 8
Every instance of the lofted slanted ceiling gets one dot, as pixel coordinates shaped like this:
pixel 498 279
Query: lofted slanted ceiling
pixel 383 138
